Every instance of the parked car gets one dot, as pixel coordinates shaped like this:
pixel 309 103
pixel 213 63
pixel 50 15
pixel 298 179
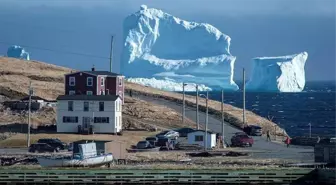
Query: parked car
pixel 253 130
pixel 144 145
pixel 183 132
pixel 169 134
pixel 41 148
pixel 56 143
pixel 241 139
pixel 152 140
pixel 166 143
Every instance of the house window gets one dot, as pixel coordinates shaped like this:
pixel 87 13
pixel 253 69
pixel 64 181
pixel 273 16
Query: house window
pixel 72 92
pixel 70 119
pixel 101 106
pixel 101 120
pixel 72 81
pixel 89 81
pixel 120 81
pixel 70 105
pixel 88 92
pixel 198 138
pixel 102 81
pixel 86 106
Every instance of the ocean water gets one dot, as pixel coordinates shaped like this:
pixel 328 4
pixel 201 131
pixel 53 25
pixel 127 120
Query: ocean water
pixel 292 111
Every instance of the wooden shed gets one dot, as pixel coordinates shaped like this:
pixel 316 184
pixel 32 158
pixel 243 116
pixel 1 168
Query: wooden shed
pixel 117 148
pixel 325 152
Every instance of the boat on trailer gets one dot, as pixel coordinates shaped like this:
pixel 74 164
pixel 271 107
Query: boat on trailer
pixel 87 157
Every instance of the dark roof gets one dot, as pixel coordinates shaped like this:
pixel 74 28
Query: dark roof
pixel 33 98
pixel 88 97
pixel 96 73
pixel 202 131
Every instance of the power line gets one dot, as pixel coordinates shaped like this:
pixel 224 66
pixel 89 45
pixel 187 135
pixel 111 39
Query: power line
pixel 55 50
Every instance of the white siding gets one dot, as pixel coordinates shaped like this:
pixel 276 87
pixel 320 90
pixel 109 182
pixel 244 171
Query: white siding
pixel 211 139
pixel 78 110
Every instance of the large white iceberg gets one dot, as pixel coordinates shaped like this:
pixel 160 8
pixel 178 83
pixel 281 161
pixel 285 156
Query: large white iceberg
pixel 157 44
pixel 17 52
pixel 168 84
pixel 278 74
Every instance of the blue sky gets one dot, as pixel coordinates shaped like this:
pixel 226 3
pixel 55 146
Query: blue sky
pixel 256 27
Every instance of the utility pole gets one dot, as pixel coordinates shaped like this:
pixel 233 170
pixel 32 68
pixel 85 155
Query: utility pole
pixel 111 53
pixel 197 117
pixel 222 109
pixel 30 92
pixel 206 121
pixel 244 117
pixel 183 106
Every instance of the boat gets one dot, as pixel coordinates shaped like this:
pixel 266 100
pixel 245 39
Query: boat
pixel 87 157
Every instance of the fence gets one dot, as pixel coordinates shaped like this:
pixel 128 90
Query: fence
pixel 95 176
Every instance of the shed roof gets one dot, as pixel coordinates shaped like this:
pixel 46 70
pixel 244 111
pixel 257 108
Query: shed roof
pixel 202 131
pixel 89 97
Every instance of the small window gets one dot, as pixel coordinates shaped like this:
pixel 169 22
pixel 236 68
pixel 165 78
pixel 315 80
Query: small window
pixel 72 92
pixel 88 92
pixel 86 106
pixel 72 81
pixel 120 81
pixel 101 106
pixel 89 81
pixel 198 138
pixel 70 119
pixel 70 105
pixel 101 120
pixel 102 81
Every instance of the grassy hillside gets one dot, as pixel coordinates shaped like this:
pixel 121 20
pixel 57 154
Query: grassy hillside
pixel 47 81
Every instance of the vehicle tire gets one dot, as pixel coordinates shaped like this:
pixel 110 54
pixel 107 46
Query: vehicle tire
pixel 57 149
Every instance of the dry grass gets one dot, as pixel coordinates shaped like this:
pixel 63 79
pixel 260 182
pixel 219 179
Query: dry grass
pixel 48 80
pixel 128 137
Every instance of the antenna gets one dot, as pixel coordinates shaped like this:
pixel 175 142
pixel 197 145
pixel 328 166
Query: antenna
pixel 111 53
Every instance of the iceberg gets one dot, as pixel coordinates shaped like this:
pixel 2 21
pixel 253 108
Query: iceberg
pixel 17 52
pixel 278 74
pixel 168 84
pixel 159 45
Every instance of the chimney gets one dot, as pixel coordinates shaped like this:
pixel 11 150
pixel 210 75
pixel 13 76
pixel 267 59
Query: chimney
pixel 93 68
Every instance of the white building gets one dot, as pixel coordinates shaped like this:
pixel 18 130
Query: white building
pixel 197 137
pixel 102 112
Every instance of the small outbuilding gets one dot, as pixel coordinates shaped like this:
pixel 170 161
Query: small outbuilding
pixel 198 137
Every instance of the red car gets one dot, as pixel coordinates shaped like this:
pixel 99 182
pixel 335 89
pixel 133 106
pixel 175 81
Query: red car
pixel 241 139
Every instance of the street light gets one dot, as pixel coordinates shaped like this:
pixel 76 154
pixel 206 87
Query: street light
pixel 206 119
pixel 309 129
pixel 197 117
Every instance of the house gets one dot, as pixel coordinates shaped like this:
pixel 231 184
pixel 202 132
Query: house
pixel 197 137
pixel 94 83
pixel 96 113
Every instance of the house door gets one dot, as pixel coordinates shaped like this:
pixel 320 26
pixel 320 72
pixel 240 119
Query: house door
pixel 86 122
pixel 326 154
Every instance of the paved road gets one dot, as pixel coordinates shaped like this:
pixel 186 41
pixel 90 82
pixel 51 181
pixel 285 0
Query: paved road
pixel 260 149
